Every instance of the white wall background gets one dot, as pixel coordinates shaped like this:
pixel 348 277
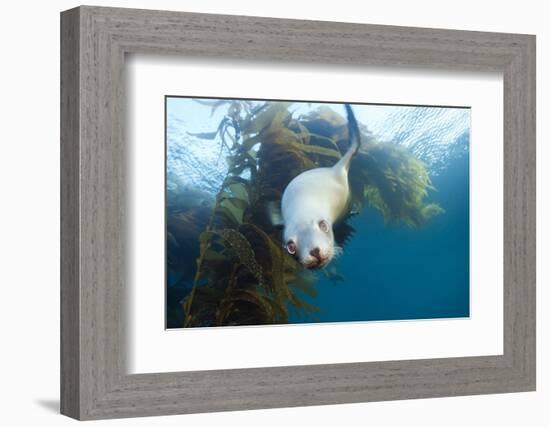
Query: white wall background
pixel 29 224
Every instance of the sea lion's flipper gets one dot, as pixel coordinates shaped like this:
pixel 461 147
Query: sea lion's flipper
pixel 274 213
pixel 354 141
pixel 342 232
pixel 332 275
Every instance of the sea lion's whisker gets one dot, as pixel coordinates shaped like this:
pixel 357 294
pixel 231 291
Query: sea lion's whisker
pixel 338 251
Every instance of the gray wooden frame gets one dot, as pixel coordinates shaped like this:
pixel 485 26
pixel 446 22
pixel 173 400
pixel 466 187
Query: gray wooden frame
pixel 94 41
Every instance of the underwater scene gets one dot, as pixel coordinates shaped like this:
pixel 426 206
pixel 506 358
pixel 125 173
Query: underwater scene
pixel 286 212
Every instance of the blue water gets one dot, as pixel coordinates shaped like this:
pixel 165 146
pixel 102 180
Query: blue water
pixel 387 272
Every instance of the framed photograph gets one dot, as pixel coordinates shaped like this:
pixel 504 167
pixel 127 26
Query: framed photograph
pixel 259 239
pixel 263 213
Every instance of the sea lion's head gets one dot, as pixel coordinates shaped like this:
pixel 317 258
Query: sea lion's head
pixel 311 242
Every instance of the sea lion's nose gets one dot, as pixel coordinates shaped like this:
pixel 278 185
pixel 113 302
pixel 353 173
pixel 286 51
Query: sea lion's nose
pixel 315 252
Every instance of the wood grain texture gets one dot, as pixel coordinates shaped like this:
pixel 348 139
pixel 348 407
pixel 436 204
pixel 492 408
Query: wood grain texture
pixel 94 194
pixel 70 259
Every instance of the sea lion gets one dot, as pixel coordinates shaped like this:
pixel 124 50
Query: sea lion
pixel 314 201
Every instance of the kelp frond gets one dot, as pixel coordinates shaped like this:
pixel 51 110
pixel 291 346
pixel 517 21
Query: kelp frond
pixel 389 178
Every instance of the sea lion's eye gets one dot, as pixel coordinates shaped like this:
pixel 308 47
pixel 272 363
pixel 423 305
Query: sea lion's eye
pixel 323 225
pixel 291 247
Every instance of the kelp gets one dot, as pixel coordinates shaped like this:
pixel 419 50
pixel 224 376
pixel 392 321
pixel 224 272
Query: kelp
pixel 243 275
pixel 247 278
pixel 389 178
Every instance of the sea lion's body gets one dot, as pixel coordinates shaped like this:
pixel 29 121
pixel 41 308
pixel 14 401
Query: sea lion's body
pixel 313 202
